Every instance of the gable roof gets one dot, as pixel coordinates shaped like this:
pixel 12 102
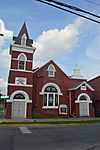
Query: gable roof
pixel 73 84
pixel 80 84
pixel 95 78
pixel 95 83
pixel 23 30
pixel 53 63
pixel 17 40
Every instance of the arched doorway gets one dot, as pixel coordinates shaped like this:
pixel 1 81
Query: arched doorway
pixel 19 104
pixel 18 107
pixel 84 101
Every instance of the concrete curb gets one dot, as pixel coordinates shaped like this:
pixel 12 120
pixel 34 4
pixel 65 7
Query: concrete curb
pixel 48 122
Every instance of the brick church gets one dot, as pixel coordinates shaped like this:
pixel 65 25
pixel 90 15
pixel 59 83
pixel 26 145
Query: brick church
pixel 45 91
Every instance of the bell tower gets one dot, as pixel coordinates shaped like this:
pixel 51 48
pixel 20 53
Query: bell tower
pixel 20 79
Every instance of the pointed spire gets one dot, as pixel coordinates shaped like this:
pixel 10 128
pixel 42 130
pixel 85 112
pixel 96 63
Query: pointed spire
pixel 77 74
pixel 23 31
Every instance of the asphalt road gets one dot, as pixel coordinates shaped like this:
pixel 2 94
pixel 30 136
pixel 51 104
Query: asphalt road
pixel 81 137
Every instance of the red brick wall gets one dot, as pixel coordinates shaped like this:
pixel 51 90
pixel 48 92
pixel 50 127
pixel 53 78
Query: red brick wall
pixel 40 79
pixel 75 106
pixel 78 92
pixel 17 73
pixel 15 54
pixel 29 111
pixel 14 74
pixel 95 83
pixel 14 62
pixel 28 90
pixel 8 110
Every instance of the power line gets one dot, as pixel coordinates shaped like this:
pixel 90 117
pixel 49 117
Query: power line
pixel 72 7
pixel 68 10
pixel 98 4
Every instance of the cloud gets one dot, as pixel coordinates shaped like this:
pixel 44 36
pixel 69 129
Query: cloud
pixel 4 66
pixel 37 63
pixel 93 51
pixel 4 59
pixel 91 69
pixel 3 85
pixel 1 82
pixel 57 43
pixel 50 44
pixel 4 54
pixel 7 34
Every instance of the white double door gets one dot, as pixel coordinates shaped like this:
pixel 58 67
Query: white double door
pixel 84 109
pixel 18 109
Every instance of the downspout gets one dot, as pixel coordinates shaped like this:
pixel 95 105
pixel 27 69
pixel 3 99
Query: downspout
pixel 70 105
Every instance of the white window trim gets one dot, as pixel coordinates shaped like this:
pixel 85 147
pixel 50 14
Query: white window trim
pixel 26 100
pixel 21 70
pixel 53 100
pixel 27 85
pixel 53 71
pixel 17 59
pixel 22 78
pixel 50 107
pixel 51 75
pixel 51 84
pixel 20 91
pixel 10 100
pixel 83 88
pixel 24 61
pixel 83 94
pixel 63 106
pixel 23 38
pixel 16 47
pixel 22 54
pixel 59 93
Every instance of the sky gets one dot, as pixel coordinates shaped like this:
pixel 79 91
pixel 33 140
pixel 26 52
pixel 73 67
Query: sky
pixel 61 36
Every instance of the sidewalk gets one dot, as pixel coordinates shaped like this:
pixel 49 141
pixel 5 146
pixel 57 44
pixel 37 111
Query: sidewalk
pixel 48 120
pixel 65 119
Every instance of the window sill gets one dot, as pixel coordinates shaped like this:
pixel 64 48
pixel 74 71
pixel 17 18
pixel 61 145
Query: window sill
pixel 63 113
pixel 51 76
pixel 50 107
pixel 82 101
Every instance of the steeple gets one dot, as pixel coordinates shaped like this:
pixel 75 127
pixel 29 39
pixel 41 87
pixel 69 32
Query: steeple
pixel 23 31
pixel 21 75
pixel 23 35
pixel 77 74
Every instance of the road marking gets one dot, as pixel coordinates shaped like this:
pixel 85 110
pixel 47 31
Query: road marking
pixel 24 130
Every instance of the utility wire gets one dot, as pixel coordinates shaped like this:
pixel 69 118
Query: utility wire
pixel 72 7
pixel 68 11
pixel 98 4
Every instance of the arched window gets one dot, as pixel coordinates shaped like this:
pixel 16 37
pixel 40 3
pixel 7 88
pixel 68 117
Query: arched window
pixel 51 97
pixel 50 89
pixel 19 96
pixel 51 71
pixel 21 62
pixel 82 98
pixel 23 40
